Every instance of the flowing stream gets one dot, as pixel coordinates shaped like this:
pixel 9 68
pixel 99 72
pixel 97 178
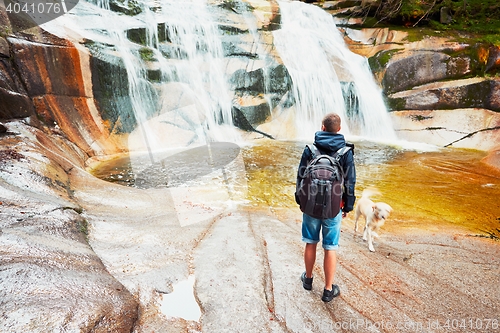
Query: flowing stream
pixel 427 190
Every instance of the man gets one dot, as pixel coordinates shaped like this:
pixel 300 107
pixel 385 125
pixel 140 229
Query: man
pixel 327 141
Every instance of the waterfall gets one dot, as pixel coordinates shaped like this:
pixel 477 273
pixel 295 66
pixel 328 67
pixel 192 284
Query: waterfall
pixel 327 76
pixel 142 94
pixel 173 57
pixel 178 77
pixel 259 48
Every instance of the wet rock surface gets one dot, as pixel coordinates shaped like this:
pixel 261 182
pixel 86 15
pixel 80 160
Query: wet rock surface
pixel 247 265
pixel 246 260
pixel 51 279
pixel 416 74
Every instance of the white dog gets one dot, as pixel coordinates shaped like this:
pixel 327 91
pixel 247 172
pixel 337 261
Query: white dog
pixel 375 215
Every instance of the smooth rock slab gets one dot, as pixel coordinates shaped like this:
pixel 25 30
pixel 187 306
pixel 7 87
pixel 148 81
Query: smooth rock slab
pixel 50 278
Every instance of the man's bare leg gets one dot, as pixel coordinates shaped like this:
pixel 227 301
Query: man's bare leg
pixel 310 258
pixel 329 265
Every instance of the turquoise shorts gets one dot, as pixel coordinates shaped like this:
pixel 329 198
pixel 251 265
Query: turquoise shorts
pixel 330 229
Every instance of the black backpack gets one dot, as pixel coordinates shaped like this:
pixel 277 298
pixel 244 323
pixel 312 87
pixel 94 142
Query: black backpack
pixel 319 192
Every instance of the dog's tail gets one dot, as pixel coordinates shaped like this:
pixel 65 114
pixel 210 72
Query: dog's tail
pixel 368 192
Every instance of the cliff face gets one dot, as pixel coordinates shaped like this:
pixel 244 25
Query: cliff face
pixel 14 100
pixel 57 79
pixel 47 80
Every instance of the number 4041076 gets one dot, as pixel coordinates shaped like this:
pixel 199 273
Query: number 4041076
pixel 36 8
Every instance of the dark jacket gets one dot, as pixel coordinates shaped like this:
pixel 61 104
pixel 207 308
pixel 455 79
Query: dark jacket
pixel 329 143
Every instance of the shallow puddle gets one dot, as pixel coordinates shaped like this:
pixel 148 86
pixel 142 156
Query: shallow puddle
pixel 427 190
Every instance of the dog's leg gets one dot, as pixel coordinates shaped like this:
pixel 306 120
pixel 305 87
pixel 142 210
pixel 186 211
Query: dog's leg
pixel 365 230
pixel 356 217
pixel 370 243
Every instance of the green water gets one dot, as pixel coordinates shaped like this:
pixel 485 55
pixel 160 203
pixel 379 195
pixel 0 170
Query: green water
pixel 450 187
pixel 427 190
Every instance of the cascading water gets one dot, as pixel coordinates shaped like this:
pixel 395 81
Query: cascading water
pixel 141 93
pixel 179 81
pixel 327 76
pixel 198 63
pixel 258 47
pixel 175 68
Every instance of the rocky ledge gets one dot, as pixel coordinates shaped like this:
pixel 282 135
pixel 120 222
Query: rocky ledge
pixel 51 279
pixel 439 89
pixel 242 264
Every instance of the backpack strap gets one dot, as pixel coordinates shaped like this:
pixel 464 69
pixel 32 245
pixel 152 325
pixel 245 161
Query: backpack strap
pixel 341 152
pixel 314 151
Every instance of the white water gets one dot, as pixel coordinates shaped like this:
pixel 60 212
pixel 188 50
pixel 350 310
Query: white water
pixel 201 64
pixel 259 47
pixel 318 59
pixel 194 78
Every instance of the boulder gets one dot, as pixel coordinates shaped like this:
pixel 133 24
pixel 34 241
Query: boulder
pixel 466 93
pixel 429 87
pixel 257 92
pixel 274 79
pixel 410 69
pixel 248 81
pixel 250 111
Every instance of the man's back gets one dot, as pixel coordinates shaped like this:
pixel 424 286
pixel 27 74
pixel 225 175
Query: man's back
pixel 329 143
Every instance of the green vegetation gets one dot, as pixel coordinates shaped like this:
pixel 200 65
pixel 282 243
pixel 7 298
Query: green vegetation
pixel 146 54
pixel 477 18
pixel 5 31
pixel 380 60
pixel 83 226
